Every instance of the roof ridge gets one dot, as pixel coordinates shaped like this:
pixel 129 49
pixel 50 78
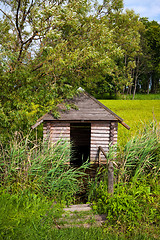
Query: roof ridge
pixel 103 106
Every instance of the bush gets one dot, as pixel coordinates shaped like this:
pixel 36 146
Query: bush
pixel 131 205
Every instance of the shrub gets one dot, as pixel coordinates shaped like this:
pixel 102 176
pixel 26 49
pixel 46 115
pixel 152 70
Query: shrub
pixel 131 205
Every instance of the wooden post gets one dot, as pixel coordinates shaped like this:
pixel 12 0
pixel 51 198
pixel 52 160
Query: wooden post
pixel 99 156
pixel 110 177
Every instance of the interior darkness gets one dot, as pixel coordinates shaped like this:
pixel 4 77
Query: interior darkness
pixel 80 143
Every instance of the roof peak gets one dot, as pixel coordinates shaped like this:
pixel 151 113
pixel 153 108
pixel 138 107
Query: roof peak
pixel 80 89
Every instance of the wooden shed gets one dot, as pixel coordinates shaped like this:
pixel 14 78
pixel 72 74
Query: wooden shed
pixel 87 127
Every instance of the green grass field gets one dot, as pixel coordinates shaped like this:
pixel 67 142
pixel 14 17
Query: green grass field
pixel 135 114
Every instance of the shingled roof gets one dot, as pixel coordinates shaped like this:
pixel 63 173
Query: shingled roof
pixel 88 109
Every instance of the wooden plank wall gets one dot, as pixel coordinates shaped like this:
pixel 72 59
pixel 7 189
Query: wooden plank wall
pixel 102 134
pixel 113 132
pixel 53 131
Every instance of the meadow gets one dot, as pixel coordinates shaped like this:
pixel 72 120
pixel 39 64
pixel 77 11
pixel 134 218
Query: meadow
pixel 135 113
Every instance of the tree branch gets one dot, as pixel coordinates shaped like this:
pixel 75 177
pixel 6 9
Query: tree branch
pixel 29 9
pixel 9 19
pixel 29 40
pixel 26 14
pixel 20 52
pixel 37 67
pixel 59 2
pixel 17 24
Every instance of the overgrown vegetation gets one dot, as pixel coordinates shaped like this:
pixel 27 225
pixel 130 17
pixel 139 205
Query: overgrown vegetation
pixel 135 205
pixel 40 168
pixel 36 183
pixel 26 215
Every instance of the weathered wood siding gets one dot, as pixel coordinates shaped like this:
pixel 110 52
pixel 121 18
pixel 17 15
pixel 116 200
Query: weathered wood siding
pixel 102 134
pixel 113 132
pixel 53 131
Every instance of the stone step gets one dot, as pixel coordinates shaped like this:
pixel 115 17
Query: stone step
pixel 78 208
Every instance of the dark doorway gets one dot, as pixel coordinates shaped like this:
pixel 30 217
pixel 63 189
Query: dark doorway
pixel 80 143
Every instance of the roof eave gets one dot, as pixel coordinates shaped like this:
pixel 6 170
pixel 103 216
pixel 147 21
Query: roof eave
pixel 36 124
pixel 125 125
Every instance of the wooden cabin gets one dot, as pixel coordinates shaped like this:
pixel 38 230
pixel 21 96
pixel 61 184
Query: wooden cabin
pixel 88 126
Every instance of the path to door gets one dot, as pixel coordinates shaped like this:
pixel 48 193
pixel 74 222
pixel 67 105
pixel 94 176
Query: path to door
pixel 80 215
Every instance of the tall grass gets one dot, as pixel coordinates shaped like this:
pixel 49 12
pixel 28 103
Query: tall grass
pixel 42 168
pixel 141 155
pixel 35 183
pixel 34 175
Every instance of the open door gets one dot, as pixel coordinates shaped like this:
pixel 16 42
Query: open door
pixel 80 134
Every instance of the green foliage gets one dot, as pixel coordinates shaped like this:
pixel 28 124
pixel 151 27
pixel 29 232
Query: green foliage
pixel 131 204
pixel 37 75
pixel 49 50
pixel 31 171
pixel 29 216
pixel 151 50
pixel 26 215
pixel 40 168
pixel 136 197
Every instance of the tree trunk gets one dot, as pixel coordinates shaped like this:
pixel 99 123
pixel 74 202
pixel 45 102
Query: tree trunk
pixel 135 86
pixel 136 78
pixel 153 83
pixel 148 84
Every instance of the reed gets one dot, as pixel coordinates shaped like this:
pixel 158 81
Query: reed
pixel 42 168
pixel 141 155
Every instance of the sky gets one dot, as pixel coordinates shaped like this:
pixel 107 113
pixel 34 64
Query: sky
pixel 146 8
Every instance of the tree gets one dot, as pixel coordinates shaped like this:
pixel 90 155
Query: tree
pixel 149 59
pixel 51 50
pixel 126 27
pixel 81 53
pixel 153 40
pixel 30 21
